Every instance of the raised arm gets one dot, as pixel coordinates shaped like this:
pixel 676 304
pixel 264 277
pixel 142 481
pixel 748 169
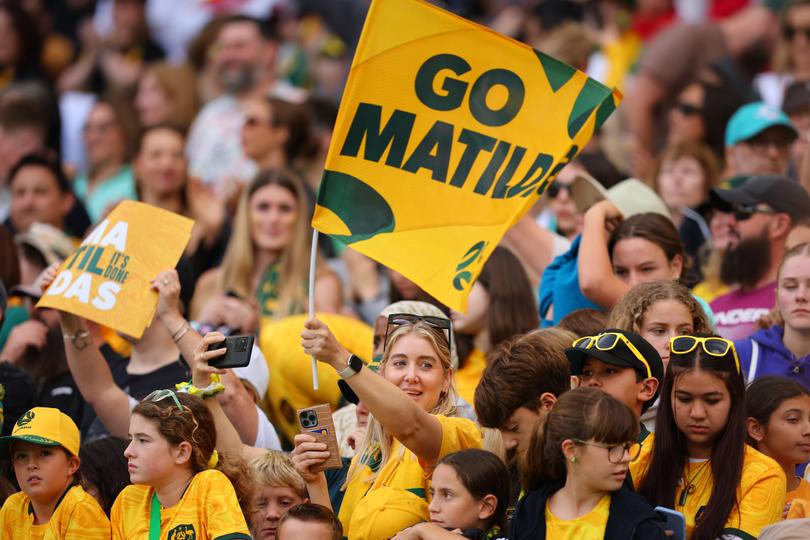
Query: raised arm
pixel 228 439
pixel 415 428
pixel 596 279
pixel 93 376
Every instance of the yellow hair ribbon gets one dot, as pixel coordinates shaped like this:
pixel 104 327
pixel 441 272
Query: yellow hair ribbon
pixel 213 460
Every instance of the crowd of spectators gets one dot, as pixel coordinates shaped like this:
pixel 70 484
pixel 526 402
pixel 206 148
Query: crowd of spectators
pixel 640 338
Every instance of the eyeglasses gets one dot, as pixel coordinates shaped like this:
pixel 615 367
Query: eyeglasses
pixel 399 319
pixel 160 395
pixel 790 32
pixel 607 342
pixel 555 188
pixel 687 109
pixel 747 211
pixel 616 451
pixel 713 346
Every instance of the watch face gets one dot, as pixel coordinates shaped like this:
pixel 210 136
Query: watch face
pixel 355 363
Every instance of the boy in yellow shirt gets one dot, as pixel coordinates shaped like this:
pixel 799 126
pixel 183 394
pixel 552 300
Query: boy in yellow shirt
pixel 44 449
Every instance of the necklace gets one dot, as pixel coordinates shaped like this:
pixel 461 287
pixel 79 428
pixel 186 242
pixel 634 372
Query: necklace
pixel 689 485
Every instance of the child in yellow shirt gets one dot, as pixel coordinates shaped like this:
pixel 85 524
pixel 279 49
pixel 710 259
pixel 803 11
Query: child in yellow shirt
pixel 699 463
pixel 181 487
pixel 44 448
pixel 576 470
pixel 778 424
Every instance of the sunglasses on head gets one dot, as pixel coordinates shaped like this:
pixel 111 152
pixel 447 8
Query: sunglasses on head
pixel 747 211
pixel 400 319
pixel 160 395
pixel 790 32
pixel 713 346
pixel 609 341
pixel 555 188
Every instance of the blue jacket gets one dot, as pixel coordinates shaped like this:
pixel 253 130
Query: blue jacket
pixel 766 349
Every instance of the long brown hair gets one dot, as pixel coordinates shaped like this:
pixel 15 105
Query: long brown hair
pixel 584 414
pixel 670 454
pixel 195 425
pixel 512 309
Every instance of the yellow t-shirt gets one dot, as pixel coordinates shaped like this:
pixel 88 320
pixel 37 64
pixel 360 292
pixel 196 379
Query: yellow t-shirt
pixel 638 467
pixel 208 510
pixel 77 516
pixel 468 377
pixel 591 526
pixel 403 471
pixel 802 491
pixel 760 496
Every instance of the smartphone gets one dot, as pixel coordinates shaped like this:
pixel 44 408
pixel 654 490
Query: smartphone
pixel 675 522
pixel 317 421
pixel 237 352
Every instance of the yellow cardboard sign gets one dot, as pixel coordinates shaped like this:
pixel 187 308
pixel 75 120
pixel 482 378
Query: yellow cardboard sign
pixel 108 278
pixel 447 133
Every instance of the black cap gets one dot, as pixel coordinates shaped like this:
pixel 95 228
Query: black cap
pixel 621 355
pixel 779 192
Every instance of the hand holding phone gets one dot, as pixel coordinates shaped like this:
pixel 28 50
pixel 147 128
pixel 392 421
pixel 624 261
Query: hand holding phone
pixel 237 352
pixel 317 421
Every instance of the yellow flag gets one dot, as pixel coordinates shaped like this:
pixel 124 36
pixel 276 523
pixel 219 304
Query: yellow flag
pixel 447 133
pixel 108 278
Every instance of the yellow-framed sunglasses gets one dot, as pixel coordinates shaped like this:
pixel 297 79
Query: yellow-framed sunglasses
pixel 607 342
pixel 713 346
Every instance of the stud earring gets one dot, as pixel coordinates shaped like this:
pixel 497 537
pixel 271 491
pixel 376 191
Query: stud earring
pixel 573 459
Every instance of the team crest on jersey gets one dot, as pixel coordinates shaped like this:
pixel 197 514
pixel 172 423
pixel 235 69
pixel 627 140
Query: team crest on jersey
pixel 182 532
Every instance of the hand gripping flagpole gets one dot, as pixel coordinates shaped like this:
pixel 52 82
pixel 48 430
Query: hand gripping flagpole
pixel 312 257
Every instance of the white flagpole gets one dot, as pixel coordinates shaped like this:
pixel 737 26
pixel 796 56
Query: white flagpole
pixel 313 254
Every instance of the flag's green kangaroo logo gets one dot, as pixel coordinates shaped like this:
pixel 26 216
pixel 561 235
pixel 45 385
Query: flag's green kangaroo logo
pixel 182 532
pixel 464 276
pixel 25 419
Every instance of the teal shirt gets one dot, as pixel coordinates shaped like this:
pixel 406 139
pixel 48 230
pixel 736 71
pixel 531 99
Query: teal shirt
pixel 106 194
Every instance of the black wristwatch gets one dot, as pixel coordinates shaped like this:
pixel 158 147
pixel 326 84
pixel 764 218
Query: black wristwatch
pixel 353 365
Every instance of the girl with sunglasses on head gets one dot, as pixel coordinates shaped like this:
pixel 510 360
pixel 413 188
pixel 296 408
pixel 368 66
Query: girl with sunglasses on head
pixel 182 488
pixel 784 349
pixel 778 425
pixel 411 427
pixel 699 453
pixel 575 474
